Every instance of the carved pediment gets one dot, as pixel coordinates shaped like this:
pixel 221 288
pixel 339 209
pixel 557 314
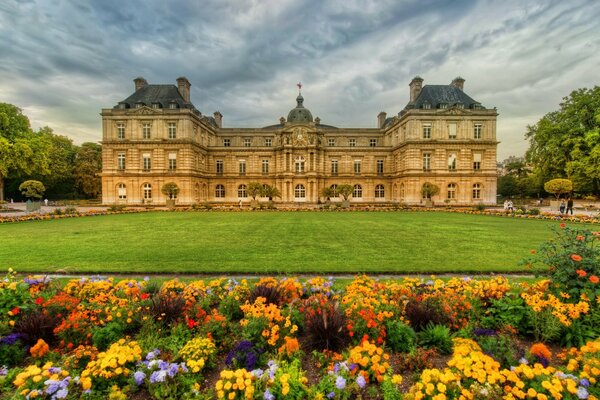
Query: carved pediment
pixel 143 111
pixel 455 111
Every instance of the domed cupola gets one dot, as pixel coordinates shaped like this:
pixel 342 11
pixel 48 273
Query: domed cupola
pixel 299 114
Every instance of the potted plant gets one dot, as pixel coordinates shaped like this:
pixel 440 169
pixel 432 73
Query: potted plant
pixel 255 190
pixel 170 189
pixel 428 190
pixel 345 191
pixel 34 191
pixel 270 192
pixel 558 187
pixel 328 193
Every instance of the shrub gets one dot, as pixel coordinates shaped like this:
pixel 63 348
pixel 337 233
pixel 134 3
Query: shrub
pixel 32 189
pixel 116 207
pixel 230 308
pixel 533 211
pixel 272 294
pixel 501 346
pixel 421 313
pixel 70 210
pixel 36 324
pixel 325 327
pixel 480 207
pixel 509 310
pixel 400 337
pixel 103 337
pixel 417 360
pixel 12 349
pixel 437 337
pixel 167 308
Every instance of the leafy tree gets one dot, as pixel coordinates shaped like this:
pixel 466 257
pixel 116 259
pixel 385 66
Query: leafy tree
pixel 327 192
pixel 558 187
pixel 170 189
pixel 428 190
pixel 88 164
pixel 567 142
pixel 59 178
pixel 32 189
pixel 254 189
pixel 270 192
pixel 508 186
pixel 345 191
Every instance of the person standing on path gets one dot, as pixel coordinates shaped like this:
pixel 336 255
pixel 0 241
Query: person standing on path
pixel 569 206
pixel 561 208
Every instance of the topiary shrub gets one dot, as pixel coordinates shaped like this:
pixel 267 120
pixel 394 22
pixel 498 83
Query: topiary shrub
pixel 271 294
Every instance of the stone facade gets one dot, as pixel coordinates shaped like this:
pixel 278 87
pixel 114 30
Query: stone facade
pixel 157 136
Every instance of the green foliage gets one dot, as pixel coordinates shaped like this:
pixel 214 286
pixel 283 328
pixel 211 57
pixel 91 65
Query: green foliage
pixel 270 191
pixel 170 189
pixel 400 337
pixel 345 191
pixel 88 165
pixel 502 347
pixel 327 192
pixel 428 190
pixel 558 187
pixel 230 308
pixel 437 337
pixel 103 337
pixel 572 261
pixel 545 327
pixel 509 310
pixel 32 189
pixel 254 189
pixel 567 142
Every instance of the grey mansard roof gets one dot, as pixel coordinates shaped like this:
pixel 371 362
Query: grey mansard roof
pixel 153 94
pixel 436 95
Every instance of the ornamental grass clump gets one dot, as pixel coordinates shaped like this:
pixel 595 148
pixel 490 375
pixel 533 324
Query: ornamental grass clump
pixel 167 308
pixel 326 325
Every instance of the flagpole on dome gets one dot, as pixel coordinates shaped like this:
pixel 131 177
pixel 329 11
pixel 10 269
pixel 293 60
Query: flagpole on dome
pixel 299 84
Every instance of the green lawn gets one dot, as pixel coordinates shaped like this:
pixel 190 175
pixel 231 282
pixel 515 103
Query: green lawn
pixel 272 242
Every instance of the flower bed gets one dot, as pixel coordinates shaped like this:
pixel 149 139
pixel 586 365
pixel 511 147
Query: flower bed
pixel 284 338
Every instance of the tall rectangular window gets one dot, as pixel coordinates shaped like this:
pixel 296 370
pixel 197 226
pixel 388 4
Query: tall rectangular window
pixel 426 131
pixel 451 131
pixel 426 161
pixel 334 167
pixel 147 162
pixel 219 166
pixel 372 142
pixel 379 167
pixel 146 131
pixel 352 142
pixel 172 130
pixel 242 167
pixel 247 142
pixel 226 142
pixel 357 167
pixel 268 142
pixel 265 167
pixel 121 131
pixel 476 161
pixel 330 142
pixel 477 131
pixel 172 161
pixel 121 161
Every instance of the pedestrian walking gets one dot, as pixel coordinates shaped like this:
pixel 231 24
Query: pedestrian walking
pixel 562 206
pixel 569 206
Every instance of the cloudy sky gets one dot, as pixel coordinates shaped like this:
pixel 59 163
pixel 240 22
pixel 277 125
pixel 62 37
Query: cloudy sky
pixel 62 61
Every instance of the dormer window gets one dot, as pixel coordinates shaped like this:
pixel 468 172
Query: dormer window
pixel 477 106
pixel 426 105
pixel 122 106
pixel 460 105
pixel 155 105
pixel 172 105
pixel 139 105
pixel 443 105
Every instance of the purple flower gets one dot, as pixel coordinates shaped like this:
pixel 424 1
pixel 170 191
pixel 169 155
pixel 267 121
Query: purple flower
pixel 340 382
pixel 163 364
pixel 268 395
pixel 584 382
pixel 139 377
pixel 582 392
pixel 330 395
pixel 484 332
pixel 172 370
pixel 11 339
pixel 3 370
pixel 61 394
pixel 360 381
pixel 158 376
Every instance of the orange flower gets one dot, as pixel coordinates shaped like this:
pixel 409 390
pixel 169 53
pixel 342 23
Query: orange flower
pixel 540 350
pixel 576 257
pixel 581 273
pixel 579 237
pixel 39 349
pixel 562 225
pixel 594 279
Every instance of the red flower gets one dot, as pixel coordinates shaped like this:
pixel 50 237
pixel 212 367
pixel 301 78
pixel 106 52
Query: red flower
pixel 562 225
pixel 15 311
pixel 576 257
pixel 191 323
pixel 581 273
pixel 39 301
pixel 594 279
pixel 144 296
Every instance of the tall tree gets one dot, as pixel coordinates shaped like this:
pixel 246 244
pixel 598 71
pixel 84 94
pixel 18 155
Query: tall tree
pixel 566 143
pixel 88 165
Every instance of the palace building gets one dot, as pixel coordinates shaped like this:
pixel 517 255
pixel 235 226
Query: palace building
pixel 442 137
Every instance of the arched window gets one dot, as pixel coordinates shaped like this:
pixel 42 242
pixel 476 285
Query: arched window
pixel 451 191
pixel 476 191
pixel 357 192
pixel 299 165
pixel 300 191
pixel 379 192
pixel 334 190
pixel 196 191
pixel 242 191
pixel 220 191
pixel 147 190
pixel 402 193
pixel 122 191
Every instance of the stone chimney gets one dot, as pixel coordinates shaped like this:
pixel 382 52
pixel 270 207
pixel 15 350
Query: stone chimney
pixel 415 88
pixel 139 83
pixel 381 119
pixel 218 118
pixel 184 88
pixel 458 82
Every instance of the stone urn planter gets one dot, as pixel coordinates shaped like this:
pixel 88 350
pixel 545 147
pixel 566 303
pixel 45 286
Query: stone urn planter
pixel 171 203
pixel 428 203
pixel 345 203
pixel 32 206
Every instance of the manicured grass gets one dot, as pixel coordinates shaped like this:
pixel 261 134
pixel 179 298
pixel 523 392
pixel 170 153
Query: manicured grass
pixel 272 242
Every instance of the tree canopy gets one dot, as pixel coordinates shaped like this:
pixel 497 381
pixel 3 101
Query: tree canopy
pixel 566 143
